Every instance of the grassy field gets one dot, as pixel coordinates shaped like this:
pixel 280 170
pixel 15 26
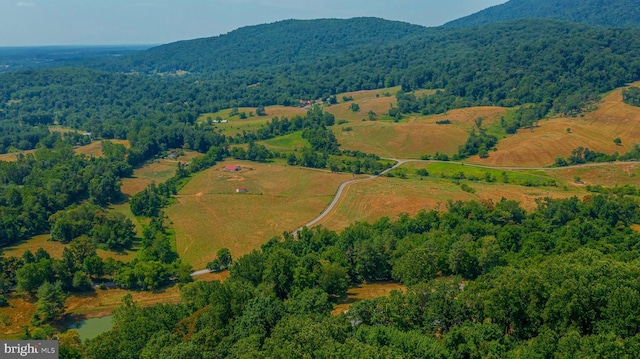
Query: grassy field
pixel 365 291
pixel 288 142
pixel 415 135
pixel 371 200
pixel 209 214
pixel 449 170
pixel 596 131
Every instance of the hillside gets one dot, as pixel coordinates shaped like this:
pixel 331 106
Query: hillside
pixel 606 13
pixel 283 42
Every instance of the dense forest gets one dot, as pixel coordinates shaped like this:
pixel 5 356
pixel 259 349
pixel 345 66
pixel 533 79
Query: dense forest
pixel 484 280
pixel 611 13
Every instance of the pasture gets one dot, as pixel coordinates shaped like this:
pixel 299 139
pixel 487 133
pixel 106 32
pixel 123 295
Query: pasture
pixel 290 142
pixel 596 131
pixel 383 196
pixel 415 135
pixel 210 215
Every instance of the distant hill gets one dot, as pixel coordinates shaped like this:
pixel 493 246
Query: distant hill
pixel 283 42
pixel 23 58
pixel 606 13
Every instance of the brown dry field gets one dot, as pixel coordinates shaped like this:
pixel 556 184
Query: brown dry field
pixel 366 291
pixel 209 214
pixel 374 199
pixel 416 135
pixel 596 131
pixel 90 305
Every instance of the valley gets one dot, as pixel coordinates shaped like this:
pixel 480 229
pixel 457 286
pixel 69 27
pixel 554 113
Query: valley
pixel 330 188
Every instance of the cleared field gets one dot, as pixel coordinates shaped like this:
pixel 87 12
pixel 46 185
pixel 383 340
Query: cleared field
pixel 288 142
pixel 416 135
pixel 210 214
pixel 371 200
pixel 235 125
pixel 378 101
pixel 366 291
pixel 596 131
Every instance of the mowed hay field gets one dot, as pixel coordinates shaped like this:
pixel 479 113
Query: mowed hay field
pixel 596 131
pixel 416 135
pixel 383 196
pixel 251 123
pixel 210 214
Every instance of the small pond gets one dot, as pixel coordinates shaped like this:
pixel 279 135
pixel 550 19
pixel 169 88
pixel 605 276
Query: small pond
pixel 90 328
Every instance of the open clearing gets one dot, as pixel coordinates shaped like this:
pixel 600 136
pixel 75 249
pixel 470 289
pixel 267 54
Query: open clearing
pixel 383 196
pixel 415 135
pixel 210 214
pixel 596 131
pixel 290 142
pixel 366 291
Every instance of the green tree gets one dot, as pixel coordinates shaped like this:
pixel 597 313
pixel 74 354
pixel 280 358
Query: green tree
pixel 50 305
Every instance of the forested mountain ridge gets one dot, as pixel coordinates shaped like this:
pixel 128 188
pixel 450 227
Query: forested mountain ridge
pixel 605 13
pixel 283 42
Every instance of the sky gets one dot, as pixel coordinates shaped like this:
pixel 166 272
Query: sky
pixel 120 22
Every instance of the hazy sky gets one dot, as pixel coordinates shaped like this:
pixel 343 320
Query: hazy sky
pixel 83 22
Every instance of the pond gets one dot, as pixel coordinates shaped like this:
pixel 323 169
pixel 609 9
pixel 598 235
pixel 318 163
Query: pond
pixel 90 328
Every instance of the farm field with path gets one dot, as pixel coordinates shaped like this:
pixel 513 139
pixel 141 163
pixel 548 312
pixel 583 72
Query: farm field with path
pixel 209 214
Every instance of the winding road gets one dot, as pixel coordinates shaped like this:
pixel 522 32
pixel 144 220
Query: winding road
pixel 400 162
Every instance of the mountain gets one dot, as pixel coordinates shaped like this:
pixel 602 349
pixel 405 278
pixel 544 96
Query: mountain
pixel 283 42
pixel 605 13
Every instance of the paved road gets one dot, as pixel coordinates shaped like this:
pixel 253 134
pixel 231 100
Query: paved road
pixel 400 162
